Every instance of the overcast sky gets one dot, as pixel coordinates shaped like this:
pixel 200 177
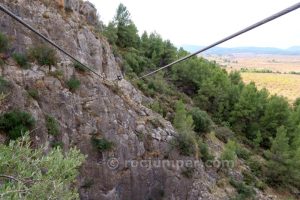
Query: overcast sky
pixel 202 22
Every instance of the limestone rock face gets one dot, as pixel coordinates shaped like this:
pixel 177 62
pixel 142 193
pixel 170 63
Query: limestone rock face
pixel 71 5
pixel 99 108
pixel 89 10
pixel 73 31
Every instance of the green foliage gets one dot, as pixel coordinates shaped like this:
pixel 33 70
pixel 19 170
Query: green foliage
pixel 102 144
pixel 185 141
pixel 34 93
pixel 38 176
pixel 204 151
pixel 258 139
pixel 235 77
pixel 201 120
pixel 240 111
pixel 15 123
pixel 224 134
pixel 56 144
pixel 122 31
pixel 52 125
pixel 79 67
pixel 155 106
pixel 21 60
pixel 276 114
pixel 242 152
pixel 229 153
pixel 73 84
pixel 4 43
pixel 256 165
pixel 244 191
pixel 297 102
pixel 44 55
pixel 182 121
pixel 4 86
pixel 249 109
pixel 57 74
pixel 278 169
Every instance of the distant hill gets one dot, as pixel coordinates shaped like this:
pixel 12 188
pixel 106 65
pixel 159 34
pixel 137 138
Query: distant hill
pixel 295 50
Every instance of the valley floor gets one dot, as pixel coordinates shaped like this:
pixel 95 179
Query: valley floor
pixel 287 85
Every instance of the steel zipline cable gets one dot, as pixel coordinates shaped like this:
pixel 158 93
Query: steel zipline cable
pixel 264 21
pixel 5 10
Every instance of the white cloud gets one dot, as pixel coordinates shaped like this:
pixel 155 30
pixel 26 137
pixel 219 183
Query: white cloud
pixel 201 22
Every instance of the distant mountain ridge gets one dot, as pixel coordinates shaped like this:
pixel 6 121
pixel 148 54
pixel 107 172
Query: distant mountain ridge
pixel 294 50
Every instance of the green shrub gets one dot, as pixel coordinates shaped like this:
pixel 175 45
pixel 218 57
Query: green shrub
pixel 56 144
pixel 34 93
pixel 248 177
pixel 260 185
pixel 4 43
pixel 102 144
pixel 242 153
pixel 202 120
pixel 42 176
pixel 73 84
pixel 256 166
pixel 4 86
pixel 22 60
pixel 155 106
pixel 52 125
pixel 79 67
pixel 244 191
pixel 185 144
pixel 57 74
pixel 15 123
pixel 229 153
pixel 204 151
pixel 44 55
pixel 224 134
pixel 1 62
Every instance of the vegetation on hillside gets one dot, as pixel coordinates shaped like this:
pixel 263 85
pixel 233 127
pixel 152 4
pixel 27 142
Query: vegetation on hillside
pixel 214 99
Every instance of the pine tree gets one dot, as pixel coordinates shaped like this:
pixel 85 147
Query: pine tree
pixel 278 167
pixel 183 123
pixel 257 140
pixel 229 153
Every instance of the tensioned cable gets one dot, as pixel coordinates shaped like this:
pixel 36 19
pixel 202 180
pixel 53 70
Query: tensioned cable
pixel 264 21
pixel 5 10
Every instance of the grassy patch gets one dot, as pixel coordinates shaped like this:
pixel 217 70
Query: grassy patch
pixel 4 43
pixel 21 60
pixel 79 67
pixel 16 123
pixel 44 55
pixel 73 84
pixel 184 144
pixel 102 144
pixel 34 93
pixel 4 86
pixel 57 74
pixel 52 125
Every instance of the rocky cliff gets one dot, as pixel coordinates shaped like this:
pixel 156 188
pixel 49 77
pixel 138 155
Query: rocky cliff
pixel 101 108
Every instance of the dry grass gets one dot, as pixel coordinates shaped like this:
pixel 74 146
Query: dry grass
pixel 287 85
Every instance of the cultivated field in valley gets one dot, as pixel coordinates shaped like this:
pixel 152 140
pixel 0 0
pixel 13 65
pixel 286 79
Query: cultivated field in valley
pixel 280 82
pixel 287 85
